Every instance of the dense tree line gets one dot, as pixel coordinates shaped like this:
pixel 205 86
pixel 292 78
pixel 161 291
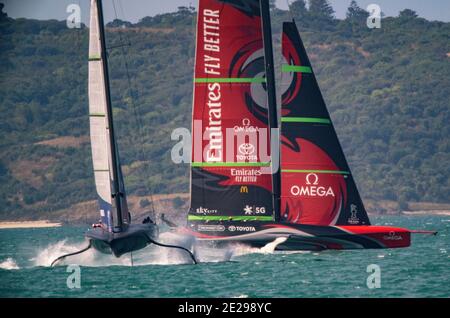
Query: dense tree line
pixel 387 90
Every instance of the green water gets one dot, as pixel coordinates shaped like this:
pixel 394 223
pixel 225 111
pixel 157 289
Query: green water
pixel 419 271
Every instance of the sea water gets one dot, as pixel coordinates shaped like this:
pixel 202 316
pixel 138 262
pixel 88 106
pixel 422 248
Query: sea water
pixel 421 270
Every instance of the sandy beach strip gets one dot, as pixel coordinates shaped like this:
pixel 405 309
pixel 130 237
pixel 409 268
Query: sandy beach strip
pixel 428 212
pixel 28 224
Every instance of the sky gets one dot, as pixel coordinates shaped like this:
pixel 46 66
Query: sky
pixel 134 10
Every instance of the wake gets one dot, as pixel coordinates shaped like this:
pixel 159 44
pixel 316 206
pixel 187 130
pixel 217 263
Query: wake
pixel 151 255
pixel 9 264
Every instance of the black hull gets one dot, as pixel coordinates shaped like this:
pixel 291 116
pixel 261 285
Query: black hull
pixel 301 236
pixel 135 237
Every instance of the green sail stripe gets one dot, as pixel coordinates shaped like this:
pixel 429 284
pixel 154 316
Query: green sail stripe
pixel 97 115
pixel 316 171
pixel 305 120
pixel 94 58
pixel 295 68
pixel 231 80
pixel 228 218
pixel 230 164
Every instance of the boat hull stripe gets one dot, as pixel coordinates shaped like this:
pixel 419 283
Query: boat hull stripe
pixel 228 218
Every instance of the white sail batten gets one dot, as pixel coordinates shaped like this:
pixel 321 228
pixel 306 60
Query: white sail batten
pixel 99 134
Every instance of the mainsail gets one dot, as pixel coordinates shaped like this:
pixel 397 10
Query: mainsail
pixel 100 136
pixel 317 185
pixel 230 171
pixel 232 192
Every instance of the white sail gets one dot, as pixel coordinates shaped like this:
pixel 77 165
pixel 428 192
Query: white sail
pixel 101 157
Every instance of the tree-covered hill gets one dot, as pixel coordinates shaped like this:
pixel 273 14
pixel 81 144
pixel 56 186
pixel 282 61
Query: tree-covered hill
pixel 387 90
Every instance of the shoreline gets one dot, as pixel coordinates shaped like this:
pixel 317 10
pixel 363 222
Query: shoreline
pixel 28 224
pixel 431 212
pixel 50 224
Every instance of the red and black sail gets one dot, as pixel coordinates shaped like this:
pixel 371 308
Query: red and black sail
pixel 316 182
pixel 230 174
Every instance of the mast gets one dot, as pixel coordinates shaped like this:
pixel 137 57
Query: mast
pixel 272 97
pixel 117 195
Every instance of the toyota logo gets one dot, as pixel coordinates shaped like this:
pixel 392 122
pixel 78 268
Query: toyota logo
pixel 246 149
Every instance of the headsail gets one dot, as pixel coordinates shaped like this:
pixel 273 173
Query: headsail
pixel 230 175
pixel 100 139
pixel 317 185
